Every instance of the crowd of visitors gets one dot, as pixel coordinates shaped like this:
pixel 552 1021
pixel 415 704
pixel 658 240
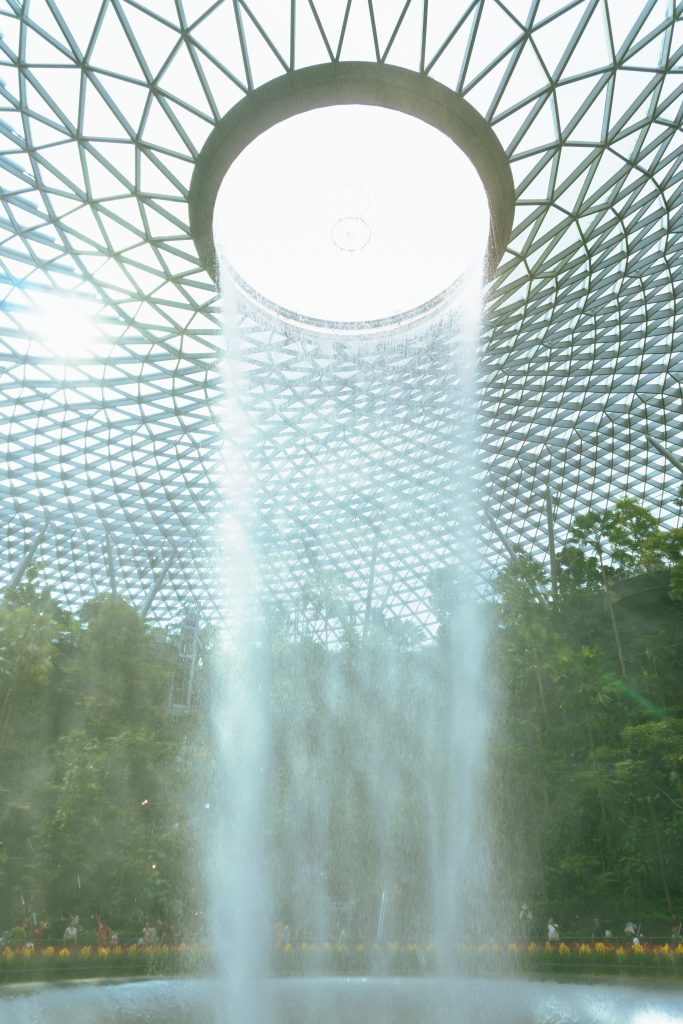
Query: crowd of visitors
pixel 600 931
pixel 37 932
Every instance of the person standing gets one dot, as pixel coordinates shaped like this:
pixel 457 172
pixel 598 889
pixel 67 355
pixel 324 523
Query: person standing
pixel 553 930
pixel 71 932
pixel 526 920
pixel 41 934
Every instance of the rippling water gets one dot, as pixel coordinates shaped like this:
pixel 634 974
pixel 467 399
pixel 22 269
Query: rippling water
pixel 352 1001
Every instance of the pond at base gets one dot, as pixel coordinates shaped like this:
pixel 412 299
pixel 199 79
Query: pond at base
pixel 353 1001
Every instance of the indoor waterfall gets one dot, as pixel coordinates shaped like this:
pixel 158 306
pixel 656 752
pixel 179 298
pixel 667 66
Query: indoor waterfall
pixel 330 799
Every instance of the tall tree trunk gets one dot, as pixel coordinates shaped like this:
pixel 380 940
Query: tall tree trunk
pixel 541 692
pixel 613 620
pixel 660 858
pixel 601 799
pixel 6 713
pixel 541 735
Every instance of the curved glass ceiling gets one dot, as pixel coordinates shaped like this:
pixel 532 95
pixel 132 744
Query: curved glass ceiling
pixel 110 458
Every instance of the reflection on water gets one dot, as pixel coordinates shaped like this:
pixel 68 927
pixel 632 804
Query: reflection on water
pixel 353 1001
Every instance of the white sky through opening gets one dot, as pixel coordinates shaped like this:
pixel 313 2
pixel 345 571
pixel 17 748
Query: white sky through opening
pixel 351 213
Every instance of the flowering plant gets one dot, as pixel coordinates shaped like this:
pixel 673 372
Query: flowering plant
pixel 347 958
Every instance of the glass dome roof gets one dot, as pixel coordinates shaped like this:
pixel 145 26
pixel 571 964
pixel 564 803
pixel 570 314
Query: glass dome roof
pixel 111 447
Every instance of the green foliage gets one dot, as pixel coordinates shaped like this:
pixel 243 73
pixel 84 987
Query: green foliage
pixel 602 751
pixel 99 779
pixel 577 571
pixel 618 534
pixel 676 589
pixel 92 768
pixel 118 671
pixel 663 550
pixel 113 799
pixel 521 586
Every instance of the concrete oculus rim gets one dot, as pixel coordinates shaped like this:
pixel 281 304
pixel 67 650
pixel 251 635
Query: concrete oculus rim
pixel 350 83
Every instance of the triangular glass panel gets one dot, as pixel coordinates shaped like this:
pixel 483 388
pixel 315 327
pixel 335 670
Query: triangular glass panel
pixel 629 87
pixel 112 50
pixel 331 16
pixel 156 39
pixel 263 60
pixel 482 95
pixel 653 55
pixel 593 50
pixel 554 36
pixel 542 130
pixel 218 35
pixel 569 197
pixel 448 67
pixel 99 121
pixel 160 130
pixel 161 226
pixel 657 19
pixel 120 237
pixel 180 79
pixel 571 97
pixel 127 98
pixel 591 128
pixel 165 9
pixel 47 46
pixel 83 222
pixel 275 20
pixel 494 23
pixel 37 105
pixel 190 126
pixel 63 87
pixel 527 78
pixel 610 169
pixel 358 42
pixel 406 45
pixel 520 10
pixel 119 155
pixel 101 181
pixel 510 126
pixel 43 136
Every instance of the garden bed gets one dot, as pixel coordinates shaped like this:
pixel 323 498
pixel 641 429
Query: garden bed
pixel 348 959
pixel 411 959
pixel 58 963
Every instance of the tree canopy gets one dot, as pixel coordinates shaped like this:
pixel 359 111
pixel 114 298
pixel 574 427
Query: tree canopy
pixel 105 785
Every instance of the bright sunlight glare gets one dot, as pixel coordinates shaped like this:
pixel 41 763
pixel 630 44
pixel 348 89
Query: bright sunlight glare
pixel 65 325
pixel 351 213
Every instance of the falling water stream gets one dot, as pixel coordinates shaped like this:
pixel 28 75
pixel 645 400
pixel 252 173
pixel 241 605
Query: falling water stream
pixel 366 722
pixel 240 905
pixel 462 881
pixel 380 725
pixel 412 795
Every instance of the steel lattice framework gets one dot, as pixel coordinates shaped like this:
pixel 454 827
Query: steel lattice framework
pixel 111 459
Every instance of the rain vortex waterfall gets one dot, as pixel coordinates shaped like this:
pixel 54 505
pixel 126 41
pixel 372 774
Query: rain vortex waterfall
pixel 238 872
pixel 408 805
pixel 462 872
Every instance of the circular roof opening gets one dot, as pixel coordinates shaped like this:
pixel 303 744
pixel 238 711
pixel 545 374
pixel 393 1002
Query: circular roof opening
pixel 350 196
pixel 350 215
